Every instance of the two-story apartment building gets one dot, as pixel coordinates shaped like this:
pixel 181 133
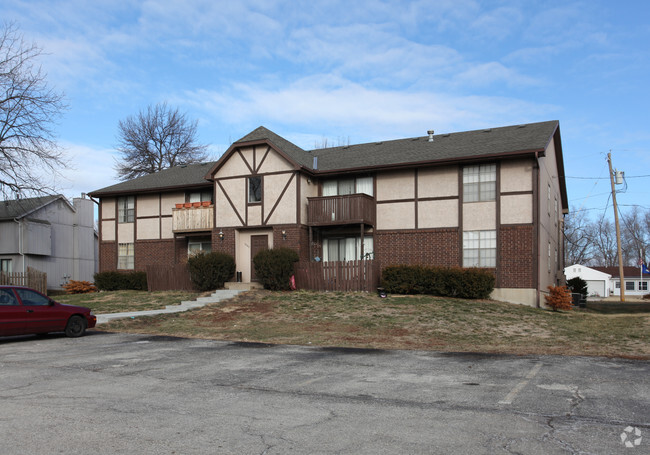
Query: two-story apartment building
pixel 490 198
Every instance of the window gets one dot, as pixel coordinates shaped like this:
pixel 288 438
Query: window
pixel 340 187
pixel 347 249
pixel 32 298
pixel 556 210
pixel 479 183
pixel 7 297
pixel 126 209
pixel 195 247
pixel 618 285
pixel 6 265
pixel 629 285
pixel 480 249
pixel 643 285
pixel 126 256
pixel 548 200
pixel 255 189
pixel 201 196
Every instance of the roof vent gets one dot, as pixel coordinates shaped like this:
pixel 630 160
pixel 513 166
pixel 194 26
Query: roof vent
pixel 430 133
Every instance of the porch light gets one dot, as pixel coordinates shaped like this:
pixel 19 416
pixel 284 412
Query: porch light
pixel 221 235
pixel 284 234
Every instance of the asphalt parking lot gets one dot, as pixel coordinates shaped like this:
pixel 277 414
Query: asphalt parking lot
pixel 120 393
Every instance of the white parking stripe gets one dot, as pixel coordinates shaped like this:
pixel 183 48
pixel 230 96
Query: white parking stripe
pixel 518 388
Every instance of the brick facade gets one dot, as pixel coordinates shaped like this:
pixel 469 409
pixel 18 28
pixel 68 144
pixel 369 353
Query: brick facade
pixel 516 257
pixel 438 247
pixel 107 256
pixel 297 239
pixel 154 252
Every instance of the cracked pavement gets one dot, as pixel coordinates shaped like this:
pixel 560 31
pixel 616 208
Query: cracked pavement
pixel 122 393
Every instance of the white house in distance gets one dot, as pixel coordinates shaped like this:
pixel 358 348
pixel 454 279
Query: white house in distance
pixel 51 235
pixel 636 283
pixel 598 282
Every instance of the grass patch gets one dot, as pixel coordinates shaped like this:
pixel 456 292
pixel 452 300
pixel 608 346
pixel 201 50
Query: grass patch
pixel 404 322
pixel 122 301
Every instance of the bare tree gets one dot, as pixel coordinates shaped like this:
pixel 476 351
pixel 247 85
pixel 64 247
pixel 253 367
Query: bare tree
pixel 156 139
pixel 604 241
pixel 578 233
pixel 28 110
pixel 635 236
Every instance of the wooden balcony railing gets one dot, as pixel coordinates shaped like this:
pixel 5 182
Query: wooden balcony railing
pixel 349 209
pixel 193 219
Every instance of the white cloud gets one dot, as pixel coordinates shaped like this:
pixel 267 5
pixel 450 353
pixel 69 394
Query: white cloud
pixel 90 169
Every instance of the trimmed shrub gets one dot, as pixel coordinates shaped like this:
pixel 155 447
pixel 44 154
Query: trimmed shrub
pixel 209 271
pixel 79 287
pixel 468 283
pixel 274 268
pixel 119 281
pixel 559 298
pixel 578 285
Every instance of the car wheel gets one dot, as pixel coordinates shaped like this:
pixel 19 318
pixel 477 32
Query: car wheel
pixel 76 326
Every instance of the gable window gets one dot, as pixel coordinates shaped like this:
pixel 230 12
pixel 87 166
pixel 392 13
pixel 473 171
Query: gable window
pixel 479 183
pixel 254 189
pixel 6 266
pixel 351 185
pixel 480 249
pixel 126 209
pixel 126 256
pixel 347 249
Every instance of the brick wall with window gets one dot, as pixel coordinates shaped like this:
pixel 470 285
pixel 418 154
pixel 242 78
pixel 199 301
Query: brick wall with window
pixel 436 247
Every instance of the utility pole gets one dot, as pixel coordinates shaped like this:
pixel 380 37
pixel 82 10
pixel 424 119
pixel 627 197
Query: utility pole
pixel 618 227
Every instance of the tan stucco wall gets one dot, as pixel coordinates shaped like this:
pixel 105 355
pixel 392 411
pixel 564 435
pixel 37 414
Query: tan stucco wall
pixel 438 214
pixel 148 229
pixel 396 185
pixel 516 175
pixel 148 205
pixel 235 165
pixel 166 229
pixel 273 162
pixel 549 227
pixel 285 212
pixel 479 216
pixel 398 215
pixel 236 190
pixel 125 232
pixel 512 295
pixel 108 231
pixel 108 208
pixel 306 190
pixel 243 250
pixel 517 209
pixel 169 201
pixel 254 215
pixel 438 182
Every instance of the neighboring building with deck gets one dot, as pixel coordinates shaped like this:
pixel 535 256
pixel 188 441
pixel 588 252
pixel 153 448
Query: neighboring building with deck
pixel 492 198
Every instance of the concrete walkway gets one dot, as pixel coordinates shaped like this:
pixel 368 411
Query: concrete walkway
pixel 217 296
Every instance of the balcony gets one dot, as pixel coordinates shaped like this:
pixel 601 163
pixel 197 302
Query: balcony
pixel 192 219
pixel 337 210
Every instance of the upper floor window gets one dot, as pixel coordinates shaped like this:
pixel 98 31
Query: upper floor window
pixel 6 266
pixel 479 183
pixel 201 196
pixel 254 189
pixel 351 185
pixel 126 209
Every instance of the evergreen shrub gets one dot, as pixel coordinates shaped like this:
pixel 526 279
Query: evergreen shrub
pixel 274 268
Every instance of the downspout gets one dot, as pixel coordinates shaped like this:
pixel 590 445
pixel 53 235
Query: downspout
pixel 20 241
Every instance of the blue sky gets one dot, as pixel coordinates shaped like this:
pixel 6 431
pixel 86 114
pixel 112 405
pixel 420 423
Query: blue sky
pixel 363 70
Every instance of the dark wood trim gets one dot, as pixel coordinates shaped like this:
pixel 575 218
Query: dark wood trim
pixel 160 227
pixel 516 193
pixel 241 155
pixel 298 194
pixel 439 198
pixel 396 201
pixel 417 201
pixel 223 190
pixel 259 166
pixel 424 230
pixel 536 231
pixel 497 224
pixel 461 203
pixel 241 176
pixel 149 217
pixel 284 190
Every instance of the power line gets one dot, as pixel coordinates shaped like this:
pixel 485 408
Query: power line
pixel 605 178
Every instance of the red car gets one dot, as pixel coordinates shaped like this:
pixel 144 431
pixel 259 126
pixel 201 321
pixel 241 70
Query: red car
pixel 24 311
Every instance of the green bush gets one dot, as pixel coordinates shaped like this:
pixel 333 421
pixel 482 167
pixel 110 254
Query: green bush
pixel 119 281
pixel 274 268
pixel 578 285
pixel 468 283
pixel 209 271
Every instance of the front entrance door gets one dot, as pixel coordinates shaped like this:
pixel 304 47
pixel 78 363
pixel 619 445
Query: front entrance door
pixel 258 243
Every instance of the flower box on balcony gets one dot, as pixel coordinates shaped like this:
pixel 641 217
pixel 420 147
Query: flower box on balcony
pixel 179 206
pixel 188 205
pixel 206 203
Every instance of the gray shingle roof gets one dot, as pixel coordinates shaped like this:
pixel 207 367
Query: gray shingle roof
pixel 21 207
pixel 294 152
pixel 453 146
pixel 177 176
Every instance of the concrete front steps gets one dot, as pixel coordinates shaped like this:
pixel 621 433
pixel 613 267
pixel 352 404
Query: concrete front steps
pixel 217 296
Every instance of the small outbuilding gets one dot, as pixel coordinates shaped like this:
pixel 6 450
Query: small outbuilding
pixel 598 282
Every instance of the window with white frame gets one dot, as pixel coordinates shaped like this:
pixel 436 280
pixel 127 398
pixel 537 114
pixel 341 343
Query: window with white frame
pixel 347 249
pixel 480 249
pixel 479 183
pixel 629 285
pixel 618 285
pixel 126 256
pixel 199 246
pixel 6 266
pixel 255 189
pixel 126 209
pixel 643 285
pixel 350 185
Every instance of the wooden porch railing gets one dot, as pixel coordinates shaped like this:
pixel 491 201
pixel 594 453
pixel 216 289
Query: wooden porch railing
pixel 193 219
pixel 349 209
pixel 338 276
